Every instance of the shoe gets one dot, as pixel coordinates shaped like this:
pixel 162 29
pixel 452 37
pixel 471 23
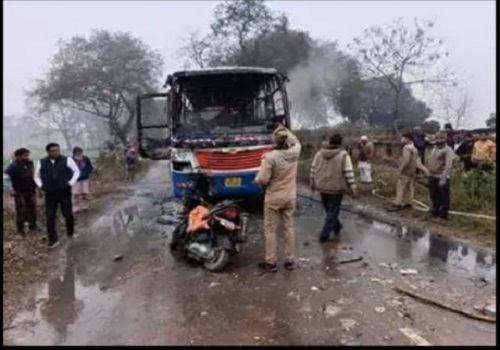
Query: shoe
pixel 337 231
pixel 54 245
pixel 268 266
pixel 323 239
pixel 290 265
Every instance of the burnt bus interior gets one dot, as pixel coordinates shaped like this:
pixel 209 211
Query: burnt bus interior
pixel 215 105
pixel 229 103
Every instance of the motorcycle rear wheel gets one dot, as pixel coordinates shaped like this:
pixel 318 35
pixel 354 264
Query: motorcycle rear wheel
pixel 218 262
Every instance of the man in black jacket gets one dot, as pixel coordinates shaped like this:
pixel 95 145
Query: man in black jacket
pixel 419 142
pixel 55 175
pixel 464 151
pixel 20 174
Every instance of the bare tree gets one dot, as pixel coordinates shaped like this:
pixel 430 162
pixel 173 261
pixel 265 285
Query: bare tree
pixel 57 119
pixel 403 56
pixel 196 50
pixel 455 105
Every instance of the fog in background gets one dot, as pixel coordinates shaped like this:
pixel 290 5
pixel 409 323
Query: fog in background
pixel 32 29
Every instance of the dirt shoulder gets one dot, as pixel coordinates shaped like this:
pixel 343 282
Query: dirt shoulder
pixel 26 260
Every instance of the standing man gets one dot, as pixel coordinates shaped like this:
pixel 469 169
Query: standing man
pixel 55 175
pixel 131 159
pixel 81 188
pixel 464 151
pixel 366 152
pixel 407 172
pixel 20 174
pixel 484 152
pixel 332 175
pixel 440 164
pixel 419 142
pixel 278 172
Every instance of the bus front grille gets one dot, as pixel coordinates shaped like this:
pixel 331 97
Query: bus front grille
pixel 230 161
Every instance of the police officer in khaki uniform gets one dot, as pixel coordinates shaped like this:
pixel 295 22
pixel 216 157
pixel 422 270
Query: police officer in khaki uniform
pixel 278 172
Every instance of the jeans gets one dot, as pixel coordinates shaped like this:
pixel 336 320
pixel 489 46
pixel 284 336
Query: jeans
pixel 331 203
pixel 440 197
pixel 53 200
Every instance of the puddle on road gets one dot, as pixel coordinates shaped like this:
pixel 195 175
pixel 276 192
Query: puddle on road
pixel 65 308
pixel 419 249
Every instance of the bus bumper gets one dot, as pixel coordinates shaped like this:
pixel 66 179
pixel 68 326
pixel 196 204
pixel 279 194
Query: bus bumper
pixel 240 184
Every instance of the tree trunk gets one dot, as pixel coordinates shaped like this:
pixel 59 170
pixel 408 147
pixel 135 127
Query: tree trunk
pixel 396 112
pixel 118 132
pixel 67 140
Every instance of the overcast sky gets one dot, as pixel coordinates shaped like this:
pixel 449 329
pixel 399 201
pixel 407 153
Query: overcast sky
pixel 32 29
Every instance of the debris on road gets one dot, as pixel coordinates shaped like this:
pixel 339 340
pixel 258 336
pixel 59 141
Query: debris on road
pixel 331 310
pixel 416 338
pixel 391 266
pixel 213 284
pixel 443 305
pixel 346 261
pixel 491 310
pixel 314 289
pixel 118 257
pixel 304 259
pixel 166 220
pixel 380 309
pixel 347 324
pixel 406 272
pixel 352 342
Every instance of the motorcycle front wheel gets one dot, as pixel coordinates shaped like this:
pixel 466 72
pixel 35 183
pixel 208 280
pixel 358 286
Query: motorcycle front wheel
pixel 218 261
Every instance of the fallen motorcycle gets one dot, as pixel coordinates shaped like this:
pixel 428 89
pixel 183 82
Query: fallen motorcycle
pixel 210 235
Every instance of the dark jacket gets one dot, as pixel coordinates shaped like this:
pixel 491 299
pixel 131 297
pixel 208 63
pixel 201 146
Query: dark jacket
pixel 21 176
pixel 464 151
pixel 85 166
pixel 419 141
pixel 55 177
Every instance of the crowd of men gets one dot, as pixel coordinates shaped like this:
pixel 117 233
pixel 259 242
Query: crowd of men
pixel 332 176
pixel 63 181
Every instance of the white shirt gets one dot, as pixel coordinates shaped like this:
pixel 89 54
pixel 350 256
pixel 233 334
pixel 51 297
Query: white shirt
pixel 70 163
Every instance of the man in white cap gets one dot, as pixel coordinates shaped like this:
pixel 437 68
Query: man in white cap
pixel 366 152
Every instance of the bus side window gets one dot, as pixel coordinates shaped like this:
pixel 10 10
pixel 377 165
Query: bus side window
pixel 279 106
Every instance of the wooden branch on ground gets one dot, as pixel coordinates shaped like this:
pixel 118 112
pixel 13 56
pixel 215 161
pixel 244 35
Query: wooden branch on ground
pixel 443 305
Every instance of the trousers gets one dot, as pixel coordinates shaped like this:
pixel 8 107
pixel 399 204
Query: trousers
pixel 365 172
pixel 25 203
pixel 331 203
pixel 405 190
pixel 440 197
pixel 53 200
pixel 277 213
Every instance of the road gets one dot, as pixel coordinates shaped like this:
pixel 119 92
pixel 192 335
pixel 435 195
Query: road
pixel 147 298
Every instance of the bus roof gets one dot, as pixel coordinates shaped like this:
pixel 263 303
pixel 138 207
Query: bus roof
pixel 225 70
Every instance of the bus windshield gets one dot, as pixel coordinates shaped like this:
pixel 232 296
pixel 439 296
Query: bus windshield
pixel 226 103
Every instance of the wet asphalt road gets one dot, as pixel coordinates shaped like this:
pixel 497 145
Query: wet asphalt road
pixel 147 298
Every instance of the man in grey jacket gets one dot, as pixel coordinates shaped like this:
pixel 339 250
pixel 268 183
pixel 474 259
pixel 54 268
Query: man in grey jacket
pixel 332 176
pixel 440 164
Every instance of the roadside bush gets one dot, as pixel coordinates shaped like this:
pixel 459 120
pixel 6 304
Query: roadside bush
pixel 474 191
